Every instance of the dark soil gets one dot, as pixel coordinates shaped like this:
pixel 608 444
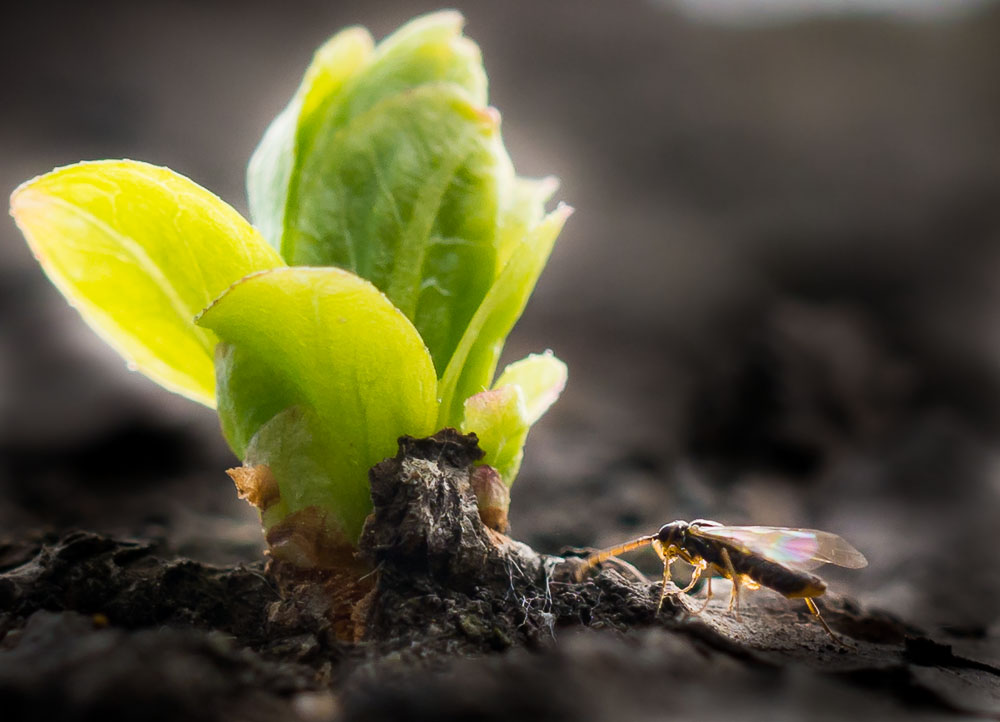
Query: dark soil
pixel 94 628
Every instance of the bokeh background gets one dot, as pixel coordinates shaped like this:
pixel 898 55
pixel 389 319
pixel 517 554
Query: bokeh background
pixel 778 298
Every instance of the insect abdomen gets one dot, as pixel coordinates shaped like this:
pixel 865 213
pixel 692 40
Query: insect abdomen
pixel 788 582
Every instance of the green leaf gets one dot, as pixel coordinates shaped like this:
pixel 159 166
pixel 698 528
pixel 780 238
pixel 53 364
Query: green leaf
pixel 497 418
pixel 386 164
pixel 250 392
pixel 346 78
pixel 139 251
pixel 295 449
pixel 409 202
pixel 541 378
pixel 271 166
pixel 502 416
pixel 336 349
pixel 475 359
pixel 427 50
pixel 523 210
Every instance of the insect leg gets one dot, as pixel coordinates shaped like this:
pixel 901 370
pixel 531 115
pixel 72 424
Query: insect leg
pixel 708 597
pixel 668 562
pixel 734 598
pixel 695 576
pixel 815 610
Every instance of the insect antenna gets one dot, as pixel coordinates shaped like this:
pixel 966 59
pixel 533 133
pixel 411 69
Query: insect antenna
pixel 602 556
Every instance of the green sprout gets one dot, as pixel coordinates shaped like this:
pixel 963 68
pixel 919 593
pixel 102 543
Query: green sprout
pixel 392 250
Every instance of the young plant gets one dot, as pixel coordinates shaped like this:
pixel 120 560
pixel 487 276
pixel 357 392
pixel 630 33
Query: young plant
pixel 392 251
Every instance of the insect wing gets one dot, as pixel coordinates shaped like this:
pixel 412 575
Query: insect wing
pixel 799 548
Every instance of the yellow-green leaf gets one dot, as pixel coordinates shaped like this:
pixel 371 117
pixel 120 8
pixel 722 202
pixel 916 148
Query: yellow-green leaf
pixel 388 163
pixel 541 378
pixel 496 417
pixel 332 346
pixel 271 166
pixel 139 250
pixel 474 362
pixel 502 416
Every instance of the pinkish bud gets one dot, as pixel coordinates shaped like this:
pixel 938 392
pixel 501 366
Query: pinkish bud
pixel 492 496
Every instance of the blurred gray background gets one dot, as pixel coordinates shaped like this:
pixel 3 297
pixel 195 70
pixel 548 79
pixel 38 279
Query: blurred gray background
pixel 778 296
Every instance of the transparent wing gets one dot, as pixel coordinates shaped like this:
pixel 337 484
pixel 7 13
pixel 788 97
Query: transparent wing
pixel 799 548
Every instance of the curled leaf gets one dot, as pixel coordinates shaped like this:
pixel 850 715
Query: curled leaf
pixel 474 362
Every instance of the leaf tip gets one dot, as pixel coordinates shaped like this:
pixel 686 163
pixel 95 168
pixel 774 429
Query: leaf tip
pixel 28 206
pixel 19 202
pixel 563 211
pixel 548 186
pixel 447 18
pixel 27 196
pixel 17 193
pixel 489 116
pixel 355 37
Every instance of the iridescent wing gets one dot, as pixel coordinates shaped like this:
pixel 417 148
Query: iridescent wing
pixel 799 548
